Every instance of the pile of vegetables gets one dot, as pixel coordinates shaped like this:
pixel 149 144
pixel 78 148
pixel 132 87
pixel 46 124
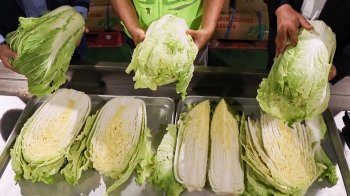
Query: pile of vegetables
pixel 209 143
pixel 45 47
pixel 262 157
pixel 61 137
pixel 166 55
pixel 297 86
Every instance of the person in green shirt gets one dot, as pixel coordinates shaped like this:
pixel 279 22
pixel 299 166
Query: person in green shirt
pixel 201 17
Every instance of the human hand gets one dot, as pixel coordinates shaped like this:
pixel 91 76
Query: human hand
pixel 138 36
pixel 86 30
pixel 200 37
pixel 332 73
pixel 288 21
pixel 5 54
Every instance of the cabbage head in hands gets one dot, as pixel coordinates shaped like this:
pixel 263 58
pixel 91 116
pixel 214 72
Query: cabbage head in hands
pixel 297 87
pixel 165 56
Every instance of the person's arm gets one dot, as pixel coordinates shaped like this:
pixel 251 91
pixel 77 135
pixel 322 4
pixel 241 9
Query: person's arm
pixel 127 13
pixel 6 53
pixel 211 12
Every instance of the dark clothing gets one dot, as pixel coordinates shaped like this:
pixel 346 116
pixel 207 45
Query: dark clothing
pixel 335 14
pixel 11 10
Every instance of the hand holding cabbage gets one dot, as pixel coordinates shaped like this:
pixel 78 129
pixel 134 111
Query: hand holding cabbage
pixel 166 55
pixel 297 86
pixel 45 46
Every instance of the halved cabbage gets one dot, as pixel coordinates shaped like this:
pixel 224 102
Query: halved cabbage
pixel 226 175
pixel 191 155
pixel 280 159
pixel 118 141
pixel 42 146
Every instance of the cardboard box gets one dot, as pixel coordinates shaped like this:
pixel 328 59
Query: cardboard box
pixel 245 26
pixel 245 5
pixel 103 18
pixel 227 7
pixel 100 2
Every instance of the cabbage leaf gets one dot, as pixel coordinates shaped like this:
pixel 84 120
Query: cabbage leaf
pixel 163 175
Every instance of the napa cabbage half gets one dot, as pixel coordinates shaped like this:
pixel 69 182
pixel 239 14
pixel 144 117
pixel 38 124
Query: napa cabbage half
pixel 42 146
pixel 280 159
pixel 165 56
pixel 45 46
pixel 297 86
pixel 192 146
pixel 226 174
pixel 118 143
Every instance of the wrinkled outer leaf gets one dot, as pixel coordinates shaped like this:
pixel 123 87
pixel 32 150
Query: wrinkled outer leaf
pixel 45 46
pixel 77 159
pixel 163 175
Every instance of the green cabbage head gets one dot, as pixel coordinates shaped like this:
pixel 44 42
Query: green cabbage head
pixel 165 56
pixel 297 86
pixel 45 46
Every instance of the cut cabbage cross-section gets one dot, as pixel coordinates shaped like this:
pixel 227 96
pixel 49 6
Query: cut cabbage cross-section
pixel 41 147
pixel 191 154
pixel 226 175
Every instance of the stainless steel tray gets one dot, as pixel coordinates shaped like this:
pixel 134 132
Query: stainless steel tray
pixel 331 145
pixel 160 113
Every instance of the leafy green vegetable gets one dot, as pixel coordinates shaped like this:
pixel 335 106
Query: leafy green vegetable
pixel 280 159
pixel 297 86
pixel 317 129
pixel 226 174
pixel 43 145
pixel 118 141
pixel 163 175
pixel 165 56
pixel 77 157
pixel 192 147
pixel 45 46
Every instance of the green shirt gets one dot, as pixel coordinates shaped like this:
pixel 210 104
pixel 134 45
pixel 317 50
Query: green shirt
pixel 150 10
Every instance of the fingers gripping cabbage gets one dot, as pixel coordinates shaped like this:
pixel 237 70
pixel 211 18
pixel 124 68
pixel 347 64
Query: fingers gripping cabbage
pixel 45 46
pixel 297 86
pixel 43 144
pixel 165 56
